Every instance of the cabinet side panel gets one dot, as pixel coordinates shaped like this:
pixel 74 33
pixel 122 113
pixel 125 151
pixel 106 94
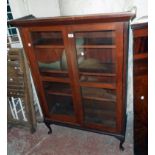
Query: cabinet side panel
pixel 120 63
pixel 125 73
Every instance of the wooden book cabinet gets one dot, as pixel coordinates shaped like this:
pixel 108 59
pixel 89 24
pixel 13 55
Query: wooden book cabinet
pixel 79 66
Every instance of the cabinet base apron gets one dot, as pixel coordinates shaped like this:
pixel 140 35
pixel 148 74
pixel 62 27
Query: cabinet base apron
pixel 121 137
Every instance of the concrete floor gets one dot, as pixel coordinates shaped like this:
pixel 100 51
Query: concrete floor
pixel 66 141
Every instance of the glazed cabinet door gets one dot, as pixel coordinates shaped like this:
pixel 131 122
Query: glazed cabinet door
pixel 98 50
pixel 50 68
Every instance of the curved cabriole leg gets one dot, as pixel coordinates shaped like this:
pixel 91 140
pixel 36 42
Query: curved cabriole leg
pixel 47 123
pixel 121 144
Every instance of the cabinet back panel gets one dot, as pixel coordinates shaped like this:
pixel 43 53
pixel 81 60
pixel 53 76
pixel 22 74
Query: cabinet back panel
pixel 47 38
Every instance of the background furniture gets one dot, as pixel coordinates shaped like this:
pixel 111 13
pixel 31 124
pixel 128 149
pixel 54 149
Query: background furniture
pixel 140 34
pixel 19 91
pixel 79 66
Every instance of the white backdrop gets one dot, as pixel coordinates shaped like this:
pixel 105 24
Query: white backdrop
pixel 79 7
pixel 50 8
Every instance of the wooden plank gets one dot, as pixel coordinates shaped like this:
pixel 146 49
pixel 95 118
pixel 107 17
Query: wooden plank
pixel 53 71
pixel 96 46
pixel 54 79
pixel 98 85
pixel 49 46
pixel 98 98
pixel 119 72
pixel 80 19
pixel 140 56
pixel 97 74
pixel 73 72
pixel 58 93
pixel 62 118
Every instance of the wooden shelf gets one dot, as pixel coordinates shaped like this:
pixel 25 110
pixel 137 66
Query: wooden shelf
pixel 58 93
pixel 97 74
pixel 98 94
pixel 54 79
pixel 97 46
pixel 141 56
pixel 49 46
pixel 108 69
pixel 98 85
pixel 98 98
pixel 54 71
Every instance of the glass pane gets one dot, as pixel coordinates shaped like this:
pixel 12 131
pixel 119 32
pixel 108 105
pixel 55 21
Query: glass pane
pixel 96 51
pixel 52 60
pixel 50 53
pixel 96 37
pixel 100 112
pixel 99 93
pixel 97 78
pixel 47 38
pixel 99 106
pixel 59 98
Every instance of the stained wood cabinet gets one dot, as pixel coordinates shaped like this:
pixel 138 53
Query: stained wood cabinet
pixel 79 65
pixel 140 33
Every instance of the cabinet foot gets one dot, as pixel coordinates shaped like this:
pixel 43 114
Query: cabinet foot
pixel 47 123
pixel 121 145
pixel 122 140
pixel 33 130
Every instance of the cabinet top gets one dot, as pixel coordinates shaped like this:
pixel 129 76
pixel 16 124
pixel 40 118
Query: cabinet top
pixel 66 20
pixel 139 25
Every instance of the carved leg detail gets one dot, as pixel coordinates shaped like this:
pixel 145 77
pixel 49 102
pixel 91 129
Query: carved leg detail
pixel 47 123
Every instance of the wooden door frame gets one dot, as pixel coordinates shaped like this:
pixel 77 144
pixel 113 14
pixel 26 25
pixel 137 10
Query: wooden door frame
pixel 118 28
pixel 26 37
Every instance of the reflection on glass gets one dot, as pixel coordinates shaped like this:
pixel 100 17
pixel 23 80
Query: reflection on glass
pixel 59 98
